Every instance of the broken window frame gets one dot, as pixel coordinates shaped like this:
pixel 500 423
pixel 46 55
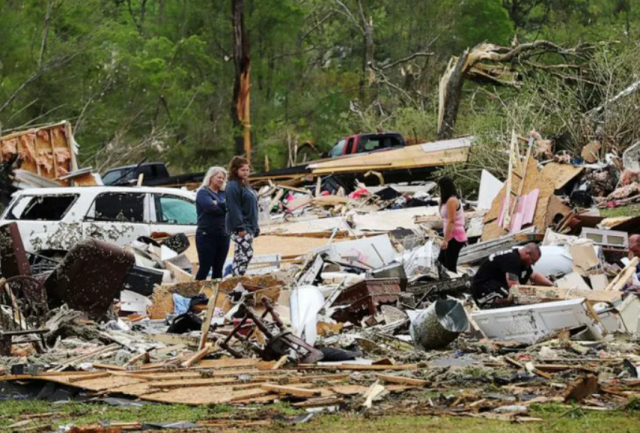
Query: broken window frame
pixel 155 209
pixel 10 216
pixel 91 218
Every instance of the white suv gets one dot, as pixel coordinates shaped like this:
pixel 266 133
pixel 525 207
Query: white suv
pixel 54 219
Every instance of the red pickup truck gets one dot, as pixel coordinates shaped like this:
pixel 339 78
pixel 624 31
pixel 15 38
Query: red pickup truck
pixel 363 143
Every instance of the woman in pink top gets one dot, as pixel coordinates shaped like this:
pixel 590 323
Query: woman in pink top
pixel 453 223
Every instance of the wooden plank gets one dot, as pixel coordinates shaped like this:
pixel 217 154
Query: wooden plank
pixel 319 402
pixel 108 367
pixel 206 324
pixel 402 380
pixel 86 356
pixel 353 367
pixel 179 274
pixel 541 294
pixel 196 357
pixel 623 277
pixel 290 390
pixel 77 378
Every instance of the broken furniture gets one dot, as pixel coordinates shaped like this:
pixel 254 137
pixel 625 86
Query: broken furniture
pixel 23 305
pixel 528 323
pixel 609 238
pixel 13 258
pixel 279 340
pixel 361 299
pixel 90 277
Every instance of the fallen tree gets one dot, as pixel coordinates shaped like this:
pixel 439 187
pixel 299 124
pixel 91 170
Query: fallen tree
pixel 498 65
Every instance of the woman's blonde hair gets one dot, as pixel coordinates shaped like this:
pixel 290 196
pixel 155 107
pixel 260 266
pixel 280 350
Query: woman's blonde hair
pixel 213 171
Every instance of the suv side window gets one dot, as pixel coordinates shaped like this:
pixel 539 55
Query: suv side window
pixel 118 206
pixel 171 209
pixel 41 208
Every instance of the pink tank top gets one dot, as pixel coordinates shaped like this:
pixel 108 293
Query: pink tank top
pixel 458 232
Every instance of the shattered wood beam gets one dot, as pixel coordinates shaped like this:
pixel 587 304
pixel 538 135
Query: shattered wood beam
pixel 459 69
pixel 241 109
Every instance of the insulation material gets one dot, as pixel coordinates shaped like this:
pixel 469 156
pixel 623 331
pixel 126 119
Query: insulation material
pixel 523 213
pixel 47 151
pixel 548 207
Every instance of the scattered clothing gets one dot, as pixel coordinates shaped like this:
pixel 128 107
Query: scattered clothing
pixel 490 283
pixel 242 253
pixel 180 304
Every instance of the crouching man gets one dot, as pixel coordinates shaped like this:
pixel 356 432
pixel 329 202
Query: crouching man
pixel 500 272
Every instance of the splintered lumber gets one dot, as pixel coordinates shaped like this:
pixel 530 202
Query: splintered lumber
pixel 179 274
pixel 319 402
pixel 542 293
pixel 250 395
pixel 86 356
pixel 196 357
pixel 426 155
pixel 375 392
pixel 621 279
pixel 78 378
pixel 354 367
pixel 206 324
pixel 282 361
pixel 108 367
pixel 290 390
pixel 402 380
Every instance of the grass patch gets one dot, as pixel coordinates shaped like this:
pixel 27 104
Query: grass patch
pixel 556 418
pixel 77 413
pixel 622 211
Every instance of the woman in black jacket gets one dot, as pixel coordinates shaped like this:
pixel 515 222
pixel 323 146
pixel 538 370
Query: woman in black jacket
pixel 212 240
pixel 242 215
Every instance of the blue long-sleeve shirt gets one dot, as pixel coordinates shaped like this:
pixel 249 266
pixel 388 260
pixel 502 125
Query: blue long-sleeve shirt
pixel 242 205
pixel 212 209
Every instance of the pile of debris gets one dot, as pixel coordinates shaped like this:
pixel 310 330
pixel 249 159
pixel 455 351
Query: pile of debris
pixel 344 303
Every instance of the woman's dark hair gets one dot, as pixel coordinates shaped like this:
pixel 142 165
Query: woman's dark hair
pixel 236 164
pixel 447 189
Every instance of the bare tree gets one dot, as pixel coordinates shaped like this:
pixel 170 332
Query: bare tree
pixel 241 106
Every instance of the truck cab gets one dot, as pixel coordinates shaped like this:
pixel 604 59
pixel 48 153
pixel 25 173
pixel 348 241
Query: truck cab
pixel 364 143
pixel 129 174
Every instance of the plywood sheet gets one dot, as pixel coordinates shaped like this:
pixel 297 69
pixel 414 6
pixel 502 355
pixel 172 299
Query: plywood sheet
pixel 534 179
pixel 560 174
pixel 407 157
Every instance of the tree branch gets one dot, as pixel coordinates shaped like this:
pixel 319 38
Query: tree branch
pixel 406 59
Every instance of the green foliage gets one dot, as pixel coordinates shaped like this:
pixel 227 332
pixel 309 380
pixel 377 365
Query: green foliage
pixel 154 78
pixel 483 20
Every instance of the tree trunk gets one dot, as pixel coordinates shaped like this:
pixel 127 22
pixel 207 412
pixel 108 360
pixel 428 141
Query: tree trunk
pixel 450 94
pixel 367 58
pixel 241 108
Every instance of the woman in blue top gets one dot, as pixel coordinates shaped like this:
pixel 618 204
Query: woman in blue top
pixel 212 240
pixel 242 218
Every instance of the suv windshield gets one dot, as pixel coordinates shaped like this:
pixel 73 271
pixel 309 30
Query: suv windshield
pixel 41 208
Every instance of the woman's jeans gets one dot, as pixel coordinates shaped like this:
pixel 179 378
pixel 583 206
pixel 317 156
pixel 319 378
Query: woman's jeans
pixel 212 253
